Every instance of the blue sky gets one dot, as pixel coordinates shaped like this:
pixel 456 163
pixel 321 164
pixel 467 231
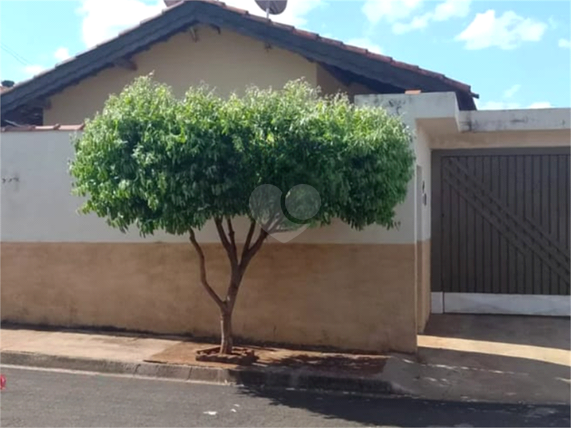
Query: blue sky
pixel 515 54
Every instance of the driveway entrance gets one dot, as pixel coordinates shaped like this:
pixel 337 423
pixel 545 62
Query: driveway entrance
pixel 500 230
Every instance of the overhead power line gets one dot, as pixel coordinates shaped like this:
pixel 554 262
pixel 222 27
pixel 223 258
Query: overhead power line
pixel 14 54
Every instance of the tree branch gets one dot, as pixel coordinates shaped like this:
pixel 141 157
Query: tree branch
pixel 231 234
pixel 274 226
pixel 271 221
pixel 203 279
pixel 249 238
pixel 222 233
pixel 261 238
pixel 230 249
pixel 250 253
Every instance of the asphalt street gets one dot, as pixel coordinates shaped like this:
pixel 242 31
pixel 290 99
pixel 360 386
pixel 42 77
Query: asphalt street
pixel 42 398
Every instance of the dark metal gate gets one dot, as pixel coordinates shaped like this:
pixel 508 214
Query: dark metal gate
pixel 500 221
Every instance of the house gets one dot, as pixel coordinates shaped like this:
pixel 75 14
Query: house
pixel 191 42
pixel 485 224
pixel 4 86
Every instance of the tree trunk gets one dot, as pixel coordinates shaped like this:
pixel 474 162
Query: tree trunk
pixel 226 329
pixel 226 341
pixel 238 268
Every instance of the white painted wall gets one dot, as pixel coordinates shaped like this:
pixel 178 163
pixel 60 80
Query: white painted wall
pixel 429 107
pixel 549 119
pixel 499 139
pixel 39 206
pixel 437 123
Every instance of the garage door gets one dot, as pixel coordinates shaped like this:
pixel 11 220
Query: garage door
pixel 500 226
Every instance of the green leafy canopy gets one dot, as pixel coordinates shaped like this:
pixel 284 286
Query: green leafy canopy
pixel 158 162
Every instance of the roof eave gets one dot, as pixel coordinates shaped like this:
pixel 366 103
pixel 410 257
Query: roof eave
pixel 185 14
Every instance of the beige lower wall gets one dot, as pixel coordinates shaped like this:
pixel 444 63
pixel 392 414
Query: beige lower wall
pixel 346 296
pixel 422 284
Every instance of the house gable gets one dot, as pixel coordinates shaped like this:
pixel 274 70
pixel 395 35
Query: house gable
pixel 226 61
pixel 354 65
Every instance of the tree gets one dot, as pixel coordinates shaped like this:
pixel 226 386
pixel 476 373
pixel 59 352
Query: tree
pixel 155 162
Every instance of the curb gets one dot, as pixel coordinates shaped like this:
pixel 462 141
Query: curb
pixel 253 377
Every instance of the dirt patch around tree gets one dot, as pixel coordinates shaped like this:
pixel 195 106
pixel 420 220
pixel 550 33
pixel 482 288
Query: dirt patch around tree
pixel 239 356
pixel 185 353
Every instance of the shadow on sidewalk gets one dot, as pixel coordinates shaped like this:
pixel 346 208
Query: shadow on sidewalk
pixel 413 412
pixel 466 388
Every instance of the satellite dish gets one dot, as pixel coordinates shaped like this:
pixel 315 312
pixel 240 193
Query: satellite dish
pixel 272 7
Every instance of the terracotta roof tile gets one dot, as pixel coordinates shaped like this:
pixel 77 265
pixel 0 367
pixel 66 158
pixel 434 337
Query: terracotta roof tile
pixel 282 26
pixel 307 34
pixel 32 128
pixel 72 127
pixel 304 33
pixel 231 8
pixel 356 49
pixel 129 29
pixel 17 128
pixel 386 58
pixel 148 19
pixel 314 36
pixel 172 4
pixel 332 41
pixel 259 18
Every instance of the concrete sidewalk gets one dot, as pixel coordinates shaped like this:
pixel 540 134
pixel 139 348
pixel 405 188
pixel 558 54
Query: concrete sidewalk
pixel 126 348
pixel 141 355
pixel 510 359
pixel 460 358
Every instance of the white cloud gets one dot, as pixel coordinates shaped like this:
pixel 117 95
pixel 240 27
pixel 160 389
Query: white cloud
pixel 364 42
pixel 508 105
pixel 563 43
pixel 541 104
pixel 505 32
pixel 553 24
pixel 417 23
pixel 497 105
pixel 294 14
pixel 451 9
pixel 509 93
pixel 32 70
pixel 389 10
pixel 103 19
pixel 61 54
pixel 442 12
